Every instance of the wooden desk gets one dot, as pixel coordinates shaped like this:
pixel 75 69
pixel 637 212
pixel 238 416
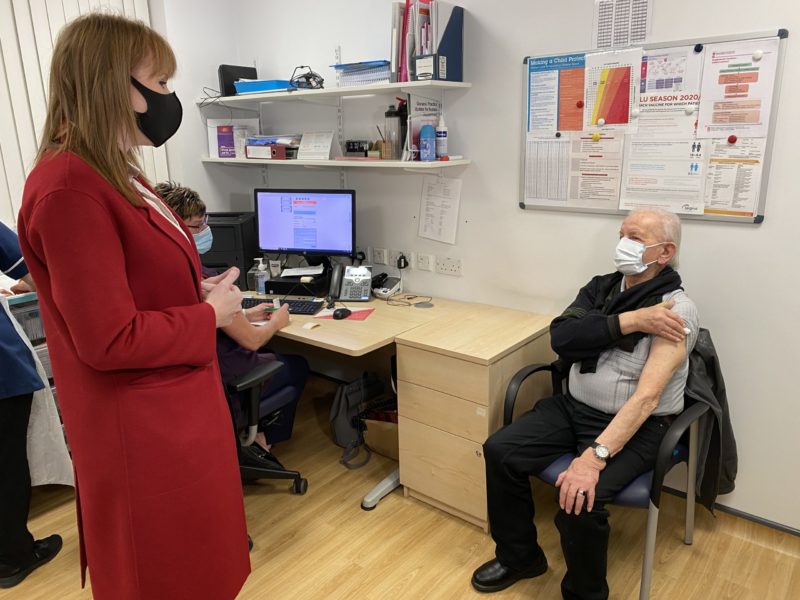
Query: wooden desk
pixel 357 338
pixel 455 361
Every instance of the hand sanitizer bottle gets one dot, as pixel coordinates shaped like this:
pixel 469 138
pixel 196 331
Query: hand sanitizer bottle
pixel 251 274
pixel 262 275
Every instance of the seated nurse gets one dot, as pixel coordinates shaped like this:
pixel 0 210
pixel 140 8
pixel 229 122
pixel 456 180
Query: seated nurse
pixel 240 345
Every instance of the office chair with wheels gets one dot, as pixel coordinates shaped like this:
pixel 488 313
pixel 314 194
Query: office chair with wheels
pixel 257 407
pixel 645 490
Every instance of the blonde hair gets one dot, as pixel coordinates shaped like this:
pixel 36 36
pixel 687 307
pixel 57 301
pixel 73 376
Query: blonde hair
pixel 89 107
pixel 183 200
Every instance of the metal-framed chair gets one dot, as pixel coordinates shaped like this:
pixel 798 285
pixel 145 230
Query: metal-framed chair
pixel 678 445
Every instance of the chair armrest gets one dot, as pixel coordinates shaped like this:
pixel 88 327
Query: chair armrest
pixel 255 376
pixel 516 382
pixel 668 444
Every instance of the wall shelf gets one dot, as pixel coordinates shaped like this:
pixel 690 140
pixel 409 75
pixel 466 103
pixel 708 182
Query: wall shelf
pixel 341 164
pixel 252 101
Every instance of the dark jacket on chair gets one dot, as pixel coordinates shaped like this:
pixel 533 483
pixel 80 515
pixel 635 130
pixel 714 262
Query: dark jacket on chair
pixel 717 461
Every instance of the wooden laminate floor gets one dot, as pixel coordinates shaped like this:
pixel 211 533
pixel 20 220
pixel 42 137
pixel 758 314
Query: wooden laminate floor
pixel 323 546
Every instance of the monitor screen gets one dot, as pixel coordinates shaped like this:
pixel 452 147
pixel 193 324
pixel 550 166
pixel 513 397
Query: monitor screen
pixel 318 222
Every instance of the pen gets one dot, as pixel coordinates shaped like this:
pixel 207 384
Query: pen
pixel 379 133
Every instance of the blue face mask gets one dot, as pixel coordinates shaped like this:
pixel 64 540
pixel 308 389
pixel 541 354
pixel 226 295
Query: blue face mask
pixel 203 240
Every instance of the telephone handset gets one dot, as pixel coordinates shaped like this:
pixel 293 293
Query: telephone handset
pixel 336 282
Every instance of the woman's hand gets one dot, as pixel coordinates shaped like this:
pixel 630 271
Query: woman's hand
pixel 224 297
pixel 280 318
pixel 260 312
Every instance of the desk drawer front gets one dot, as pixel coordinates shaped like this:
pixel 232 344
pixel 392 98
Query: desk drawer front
pixel 443 373
pixel 443 411
pixel 445 467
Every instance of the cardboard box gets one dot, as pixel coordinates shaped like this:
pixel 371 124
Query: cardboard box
pixel 381 436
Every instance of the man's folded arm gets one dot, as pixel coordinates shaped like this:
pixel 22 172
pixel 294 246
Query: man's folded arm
pixel 583 331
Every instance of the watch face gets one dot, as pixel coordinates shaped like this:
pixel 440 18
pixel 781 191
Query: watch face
pixel 601 451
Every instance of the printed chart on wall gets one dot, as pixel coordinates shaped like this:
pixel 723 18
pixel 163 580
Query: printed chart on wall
pixel 685 127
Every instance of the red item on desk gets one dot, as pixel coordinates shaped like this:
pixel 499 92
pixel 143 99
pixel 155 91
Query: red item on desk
pixel 357 314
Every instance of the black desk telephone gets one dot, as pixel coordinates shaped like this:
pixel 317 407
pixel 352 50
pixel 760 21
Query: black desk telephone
pixel 350 283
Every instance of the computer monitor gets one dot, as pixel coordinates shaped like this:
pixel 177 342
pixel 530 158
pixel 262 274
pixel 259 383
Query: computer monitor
pixel 314 223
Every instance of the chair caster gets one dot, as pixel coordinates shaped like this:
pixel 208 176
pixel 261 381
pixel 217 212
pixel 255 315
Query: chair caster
pixel 300 486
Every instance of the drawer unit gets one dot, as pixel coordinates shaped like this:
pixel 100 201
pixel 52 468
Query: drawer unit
pixel 452 376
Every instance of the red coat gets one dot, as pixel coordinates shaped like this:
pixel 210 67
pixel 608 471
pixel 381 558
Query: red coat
pixel 160 508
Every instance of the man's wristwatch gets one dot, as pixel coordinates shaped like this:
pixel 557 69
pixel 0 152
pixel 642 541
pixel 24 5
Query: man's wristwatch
pixel 600 451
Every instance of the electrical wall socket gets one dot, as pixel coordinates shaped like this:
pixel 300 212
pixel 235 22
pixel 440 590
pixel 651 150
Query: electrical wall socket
pixel 425 262
pixel 380 256
pixel 448 266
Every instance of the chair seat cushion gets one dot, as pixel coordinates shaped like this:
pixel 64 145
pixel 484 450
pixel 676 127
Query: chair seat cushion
pixel 636 494
pixel 270 404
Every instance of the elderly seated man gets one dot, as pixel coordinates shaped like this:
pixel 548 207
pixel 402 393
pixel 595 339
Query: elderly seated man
pixel 629 335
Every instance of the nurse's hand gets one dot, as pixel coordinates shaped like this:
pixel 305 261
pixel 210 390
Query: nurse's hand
pixel 225 298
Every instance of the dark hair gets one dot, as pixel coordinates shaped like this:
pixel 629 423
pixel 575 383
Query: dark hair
pixel 183 200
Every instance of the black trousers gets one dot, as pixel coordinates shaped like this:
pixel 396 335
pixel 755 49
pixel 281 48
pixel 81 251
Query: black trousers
pixel 16 542
pixel 555 426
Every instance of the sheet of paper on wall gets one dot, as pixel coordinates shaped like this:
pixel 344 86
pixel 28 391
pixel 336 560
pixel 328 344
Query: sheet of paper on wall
pixel 611 90
pixel 438 209
pixel 595 171
pixel 670 92
pixel 733 181
pixel 738 81
pixel 663 174
pixel 319 145
pixel 555 93
pixel 619 23
pixel 547 169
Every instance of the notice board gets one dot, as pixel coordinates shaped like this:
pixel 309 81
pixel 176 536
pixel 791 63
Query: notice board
pixel 686 126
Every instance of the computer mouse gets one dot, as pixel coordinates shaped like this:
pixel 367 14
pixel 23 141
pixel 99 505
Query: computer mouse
pixel 342 313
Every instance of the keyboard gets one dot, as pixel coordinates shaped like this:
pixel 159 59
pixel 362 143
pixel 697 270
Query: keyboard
pixel 296 307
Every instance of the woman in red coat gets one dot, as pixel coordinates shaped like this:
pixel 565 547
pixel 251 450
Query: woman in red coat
pixel 160 507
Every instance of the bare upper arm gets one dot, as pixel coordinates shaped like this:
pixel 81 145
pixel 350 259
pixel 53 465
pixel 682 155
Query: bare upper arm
pixel 663 360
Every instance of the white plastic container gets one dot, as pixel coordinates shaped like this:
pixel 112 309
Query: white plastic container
pixel 441 138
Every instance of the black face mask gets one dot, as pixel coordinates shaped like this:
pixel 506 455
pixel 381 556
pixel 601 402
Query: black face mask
pixel 163 115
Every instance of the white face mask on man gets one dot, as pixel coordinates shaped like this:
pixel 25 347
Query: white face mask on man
pixel 628 256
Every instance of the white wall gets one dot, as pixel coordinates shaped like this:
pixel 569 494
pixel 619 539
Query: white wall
pixel 742 277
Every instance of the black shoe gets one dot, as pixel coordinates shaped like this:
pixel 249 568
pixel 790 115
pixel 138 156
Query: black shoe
pixel 43 551
pixel 249 543
pixel 493 577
